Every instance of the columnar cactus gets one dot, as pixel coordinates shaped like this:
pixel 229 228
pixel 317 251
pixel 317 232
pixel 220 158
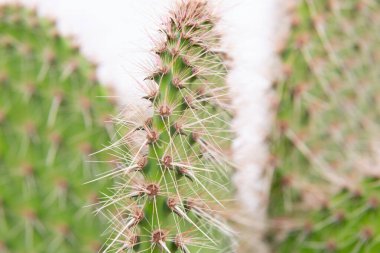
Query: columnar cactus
pixel 51 118
pixel 327 128
pixel 174 165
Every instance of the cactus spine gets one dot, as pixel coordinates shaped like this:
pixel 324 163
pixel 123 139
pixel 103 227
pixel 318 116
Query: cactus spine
pixel 327 131
pixel 51 118
pixel 173 174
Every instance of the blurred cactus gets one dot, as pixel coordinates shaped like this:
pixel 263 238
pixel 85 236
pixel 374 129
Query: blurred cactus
pixel 349 223
pixel 51 119
pixel 174 166
pixel 327 130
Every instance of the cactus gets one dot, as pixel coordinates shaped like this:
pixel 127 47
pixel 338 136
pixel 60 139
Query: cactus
pixel 172 178
pixel 350 223
pixel 327 129
pixel 51 118
pixel 326 126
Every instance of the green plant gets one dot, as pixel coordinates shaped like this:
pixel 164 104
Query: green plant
pixel 51 118
pixel 327 128
pixel 174 165
pixel 349 223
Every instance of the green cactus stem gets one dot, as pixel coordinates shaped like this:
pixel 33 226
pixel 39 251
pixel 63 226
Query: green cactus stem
pixel 328 113
pixel 52 116
pixel 350 222
pixel 173 178
pixel 327 129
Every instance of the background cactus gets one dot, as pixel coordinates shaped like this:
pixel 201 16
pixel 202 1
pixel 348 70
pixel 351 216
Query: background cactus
pixel 350 223
pixel 173 160
pixel 51 119
pixel 327 130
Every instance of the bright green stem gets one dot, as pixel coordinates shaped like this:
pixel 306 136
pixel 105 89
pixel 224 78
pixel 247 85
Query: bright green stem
pixel 183 181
